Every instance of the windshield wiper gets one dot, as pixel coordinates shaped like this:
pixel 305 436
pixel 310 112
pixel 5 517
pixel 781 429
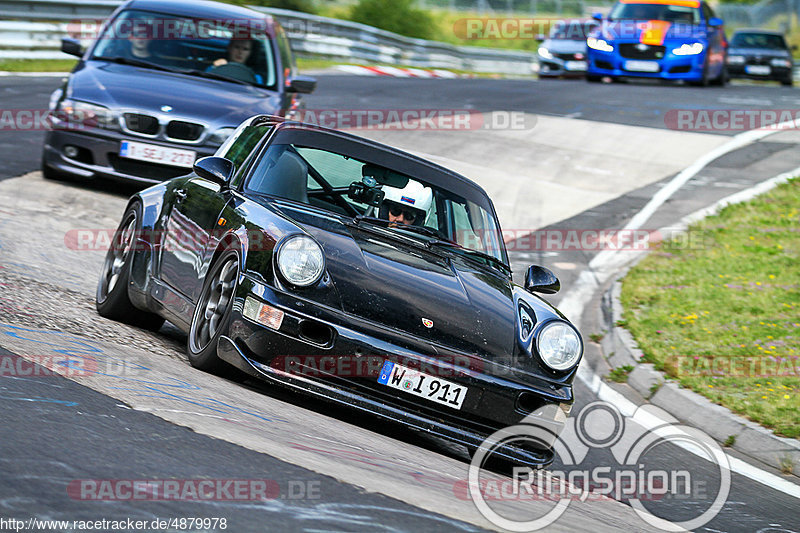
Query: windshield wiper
pixel 395 225
pixel 470 252
pixel 136 63
pixel 211 75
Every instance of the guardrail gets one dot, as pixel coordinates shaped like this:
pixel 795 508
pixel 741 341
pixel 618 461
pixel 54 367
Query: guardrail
pixel 310 36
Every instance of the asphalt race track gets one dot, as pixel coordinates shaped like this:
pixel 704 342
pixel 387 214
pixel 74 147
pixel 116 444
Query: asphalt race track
pixel 599 152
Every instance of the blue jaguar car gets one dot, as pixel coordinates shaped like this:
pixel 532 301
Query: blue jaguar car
pixel 661 39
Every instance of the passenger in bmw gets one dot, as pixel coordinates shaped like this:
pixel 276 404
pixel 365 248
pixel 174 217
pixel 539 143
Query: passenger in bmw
pixel 408 205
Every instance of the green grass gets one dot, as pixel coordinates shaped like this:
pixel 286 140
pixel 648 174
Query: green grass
pixel 37 65
pixel 620 374
pixel 723 315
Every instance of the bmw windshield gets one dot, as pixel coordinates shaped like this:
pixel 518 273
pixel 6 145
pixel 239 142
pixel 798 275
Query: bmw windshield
pixel 234 51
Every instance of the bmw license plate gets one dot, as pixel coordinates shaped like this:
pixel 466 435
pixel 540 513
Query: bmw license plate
pixel 758 70
pixel 642 66
pixel 423 385
pixel 157 154
pixel 575 65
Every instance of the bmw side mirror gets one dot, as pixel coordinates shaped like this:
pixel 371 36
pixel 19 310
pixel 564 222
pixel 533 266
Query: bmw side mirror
pixel 72 47
pixel 540 279
pixel 216 169
pixel 715 22
pixel 302 85
pixel 598 17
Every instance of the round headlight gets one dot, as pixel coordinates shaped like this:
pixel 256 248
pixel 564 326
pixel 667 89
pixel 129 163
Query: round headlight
pixel 559 345
pixel 300 260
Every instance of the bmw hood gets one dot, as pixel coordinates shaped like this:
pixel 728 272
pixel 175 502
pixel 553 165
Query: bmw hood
pixel 782 54
pixel 564 46
pixel 128 87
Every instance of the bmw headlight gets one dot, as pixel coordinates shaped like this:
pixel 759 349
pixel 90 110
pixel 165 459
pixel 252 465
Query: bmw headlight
pixel 300 260
pixel 599 44
pixel 778 62
pixel 687 49
pixel 736 60
pixel 559 345
pixel 220 136
pixel 83 113
pixel 545 53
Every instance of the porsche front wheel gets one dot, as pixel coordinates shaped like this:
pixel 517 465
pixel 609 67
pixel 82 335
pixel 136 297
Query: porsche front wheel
pixel 213 312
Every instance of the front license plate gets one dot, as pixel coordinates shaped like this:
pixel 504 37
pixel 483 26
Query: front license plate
pixel 423 385
pixel 758 70
pixel 642 66
pixel 157 154
pixel 575 65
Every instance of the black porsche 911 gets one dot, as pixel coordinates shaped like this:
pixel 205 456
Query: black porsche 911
pixel 351 271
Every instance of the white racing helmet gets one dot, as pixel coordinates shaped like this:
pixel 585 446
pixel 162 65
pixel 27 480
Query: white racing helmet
pixel 415 197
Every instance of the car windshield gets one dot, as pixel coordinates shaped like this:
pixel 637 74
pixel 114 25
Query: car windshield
pixel 572 30
pixel 216 49
pixel 758 40
pixel 685 14
pixel 373 194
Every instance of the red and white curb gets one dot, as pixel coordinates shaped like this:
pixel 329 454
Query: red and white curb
pixel 396 72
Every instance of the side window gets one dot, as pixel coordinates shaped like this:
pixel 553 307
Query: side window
pixel 285 50
pixel 708 14
pixel 241 145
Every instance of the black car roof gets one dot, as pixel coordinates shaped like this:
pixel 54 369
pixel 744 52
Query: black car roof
pixel 199 9
pixel 413 165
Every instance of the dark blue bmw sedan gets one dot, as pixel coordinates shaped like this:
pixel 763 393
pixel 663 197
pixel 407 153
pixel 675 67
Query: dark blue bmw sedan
pixel 165 83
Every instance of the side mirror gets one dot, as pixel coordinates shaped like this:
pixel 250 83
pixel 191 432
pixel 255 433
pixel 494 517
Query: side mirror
pixel 715 22
pixel 598 17
pixel 793 47
pixel 540 279
pixel 72 47
pixel 216 169
pixel 302 85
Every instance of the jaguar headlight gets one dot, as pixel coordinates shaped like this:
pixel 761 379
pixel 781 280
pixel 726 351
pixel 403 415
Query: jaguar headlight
pixel 300 260
pixel 687 49
pixel 559 345
pixel 599 44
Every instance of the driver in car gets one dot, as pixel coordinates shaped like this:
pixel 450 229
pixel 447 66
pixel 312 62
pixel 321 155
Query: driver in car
pixel 408 205
pixel 239 51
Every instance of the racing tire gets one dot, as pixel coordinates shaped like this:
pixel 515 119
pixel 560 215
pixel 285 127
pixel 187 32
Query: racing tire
pixel 787 82
pixel 703 80
pixel 593 78
pixel 111 299
pixel 212 314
